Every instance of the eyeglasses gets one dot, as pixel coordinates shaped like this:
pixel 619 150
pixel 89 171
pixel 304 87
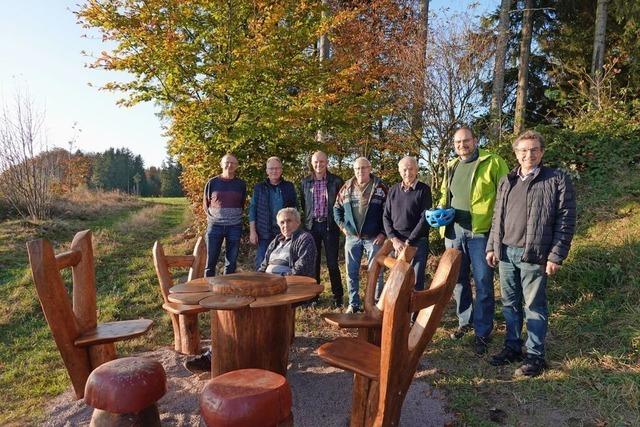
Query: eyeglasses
pixel 534 150
pixel 361 167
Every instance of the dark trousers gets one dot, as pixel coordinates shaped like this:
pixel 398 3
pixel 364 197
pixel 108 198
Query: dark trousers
pixel 330 240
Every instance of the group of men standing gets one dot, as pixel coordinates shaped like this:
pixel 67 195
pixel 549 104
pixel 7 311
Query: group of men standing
pixel 521 221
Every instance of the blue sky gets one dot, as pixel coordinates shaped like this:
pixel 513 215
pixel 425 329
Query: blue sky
pixel 40 50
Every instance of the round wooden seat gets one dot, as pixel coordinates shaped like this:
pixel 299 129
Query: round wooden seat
pixel 126 388
pixel 247 397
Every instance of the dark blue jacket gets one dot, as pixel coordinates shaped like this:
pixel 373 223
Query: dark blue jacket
pixel 264 222
pixel 372 224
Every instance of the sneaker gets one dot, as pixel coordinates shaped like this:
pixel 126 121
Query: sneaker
pixel 352 309
pixel 506 356
pixel 200 363
pixel 337 303
pixel 461 331
pixel 480 346
pixel 531 367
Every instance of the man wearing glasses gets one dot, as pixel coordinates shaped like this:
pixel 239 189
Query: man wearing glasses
pixel 533 225
pixel 358 212
pixel 269 196
pixel 470 186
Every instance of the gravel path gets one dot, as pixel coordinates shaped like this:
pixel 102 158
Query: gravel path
pixel 321 394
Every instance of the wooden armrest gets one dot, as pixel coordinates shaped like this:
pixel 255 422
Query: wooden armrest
pixel 354 355
pixel 175 308
pixel 424 299
pixel 357 320
pixel 68 259
pixel 179 260
pixel 113 331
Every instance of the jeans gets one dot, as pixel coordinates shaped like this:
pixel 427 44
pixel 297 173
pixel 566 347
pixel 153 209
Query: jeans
pixel 330 240
pixel 420 262
pixel 216 234
pixel 520 281
pixel 261 251
pixel 479 312
pixel 353 248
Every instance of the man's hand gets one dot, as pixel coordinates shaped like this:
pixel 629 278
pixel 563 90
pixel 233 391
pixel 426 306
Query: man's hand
pixel 379 240
pixel 492 260
pixel 398 245
pixel 552 268
pixel 253 237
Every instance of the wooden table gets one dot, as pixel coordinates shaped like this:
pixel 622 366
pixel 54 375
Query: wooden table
pixel 251 317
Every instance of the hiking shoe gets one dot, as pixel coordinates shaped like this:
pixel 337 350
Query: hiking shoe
pixel 352 309
pixel 337 303
pixel 460 332
pixel 531 367
pixel 480 346
pixel 200 363
pixel 506 356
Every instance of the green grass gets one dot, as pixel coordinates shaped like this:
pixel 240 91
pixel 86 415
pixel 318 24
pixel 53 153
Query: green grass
pixel 31 368
pixel 593 342
pixel 593 345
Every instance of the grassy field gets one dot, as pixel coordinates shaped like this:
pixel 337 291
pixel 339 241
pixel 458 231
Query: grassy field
pixel 593 343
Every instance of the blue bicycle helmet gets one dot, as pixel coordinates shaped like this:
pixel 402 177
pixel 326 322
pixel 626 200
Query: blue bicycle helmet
pixel 439 216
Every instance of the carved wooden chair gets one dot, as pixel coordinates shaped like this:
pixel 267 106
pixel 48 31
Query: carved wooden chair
pixel 184 317
pixel 83 343
pixel 369 321
pixel 383 374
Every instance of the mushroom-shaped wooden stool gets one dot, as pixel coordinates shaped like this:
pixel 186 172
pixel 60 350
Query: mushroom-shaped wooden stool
pixel 247 398
pixel 124 392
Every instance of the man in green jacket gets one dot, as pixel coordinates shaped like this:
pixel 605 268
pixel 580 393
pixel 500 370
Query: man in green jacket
pixel 470 187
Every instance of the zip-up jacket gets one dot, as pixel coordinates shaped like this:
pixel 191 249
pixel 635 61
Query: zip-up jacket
pixel 489 169
pixel 264 222
pixel 551 216
pixel 302 255
pixel 372 224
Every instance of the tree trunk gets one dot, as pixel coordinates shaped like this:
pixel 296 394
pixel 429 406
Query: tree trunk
pixel 498 69
pixel 323 55
pixel 417 126
pixel 597 60
pixel 523 67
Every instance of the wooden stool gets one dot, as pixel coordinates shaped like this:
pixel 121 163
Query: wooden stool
pixel 124 392
pixel 247 398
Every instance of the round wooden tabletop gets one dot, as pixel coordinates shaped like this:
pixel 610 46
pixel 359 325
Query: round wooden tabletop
pixel 218 295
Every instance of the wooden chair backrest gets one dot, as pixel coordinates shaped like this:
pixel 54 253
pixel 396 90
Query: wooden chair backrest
pixel 382 260
pixel 67 319
pixel 163 263
pixel 402 346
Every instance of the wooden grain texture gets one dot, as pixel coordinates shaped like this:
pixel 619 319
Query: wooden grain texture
pixel 190 287
pixel 182 311
pixel 84 283
pixel 58 312
pixel 191 298
pixel 253 284
pixel 300 280
pixel 226 302
pixel 377 400
pixel 292 295
pixel 251 338
pixel 178 308
pixel 357 320
pixel 114 331
pixel 352 354
pixel 68 259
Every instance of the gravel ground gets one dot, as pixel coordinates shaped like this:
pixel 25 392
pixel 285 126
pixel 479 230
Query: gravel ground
pixel 321 394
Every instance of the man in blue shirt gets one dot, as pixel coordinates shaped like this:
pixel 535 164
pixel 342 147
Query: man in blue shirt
pixel 269 196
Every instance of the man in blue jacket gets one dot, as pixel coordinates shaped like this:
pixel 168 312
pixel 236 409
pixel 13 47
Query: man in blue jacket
pixel 269 196
pixel 358 212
